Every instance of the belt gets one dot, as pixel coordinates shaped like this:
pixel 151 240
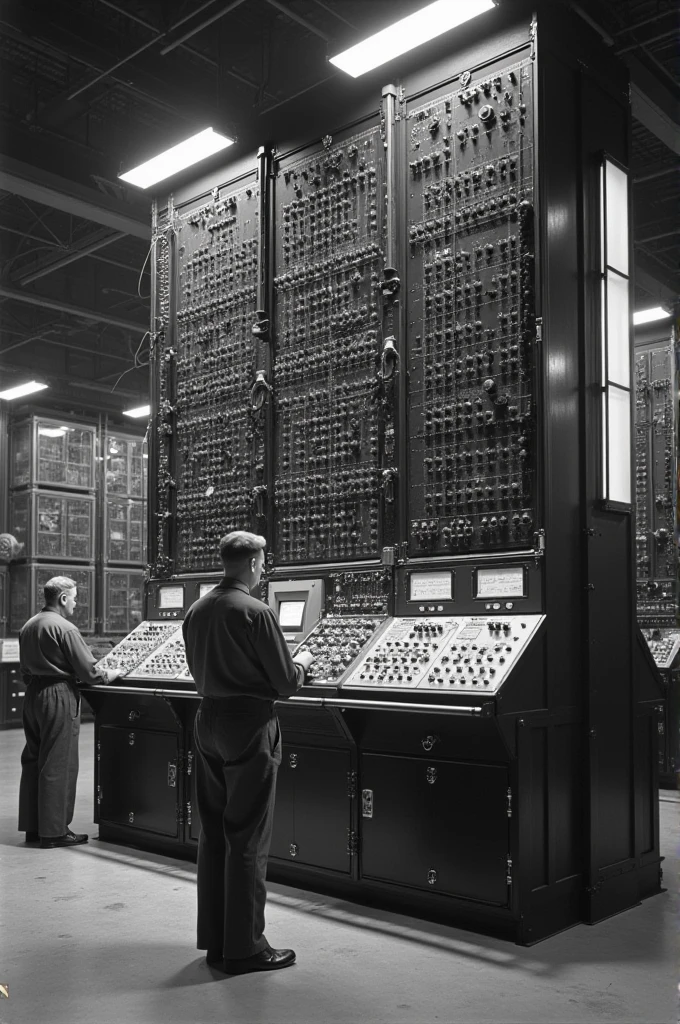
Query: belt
pixel 46 680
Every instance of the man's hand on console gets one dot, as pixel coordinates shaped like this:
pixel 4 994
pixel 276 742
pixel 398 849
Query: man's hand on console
pixel 304 658
pixel 112 674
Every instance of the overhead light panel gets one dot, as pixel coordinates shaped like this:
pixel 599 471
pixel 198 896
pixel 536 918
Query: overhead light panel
pixel 21 390
pixel 141 410
pixel 186 153
pixel 405 35
pixel 648 316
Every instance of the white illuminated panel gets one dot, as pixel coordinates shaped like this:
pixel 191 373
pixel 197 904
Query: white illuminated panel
pixel 619 446
pixel 500 582
pixel 431 586
pixel 616 213
pixel 618 329
pixel 171 597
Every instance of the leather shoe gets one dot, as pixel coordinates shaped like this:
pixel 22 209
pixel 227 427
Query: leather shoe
pixel 68 839
pixel 32 837
pixel 266 960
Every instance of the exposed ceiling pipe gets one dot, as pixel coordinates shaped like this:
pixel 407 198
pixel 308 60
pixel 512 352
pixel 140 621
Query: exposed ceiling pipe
pixel 335 14
pixel 645 42
pixel 300 20
pixel 63 307
pixel 655 174
pixel 593 24
pixel 71 257
pixel 199 28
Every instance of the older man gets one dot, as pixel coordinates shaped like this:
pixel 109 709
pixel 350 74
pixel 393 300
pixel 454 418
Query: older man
pixel 53 657
pixel 241 664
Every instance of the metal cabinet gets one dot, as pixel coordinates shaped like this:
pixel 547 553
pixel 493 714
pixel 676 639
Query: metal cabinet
pixel 436 825
pixel 52 452
pixel 53 524
pixel 123 600
pixel 312 818
pixel 125 466
pixel 139 782
pixel 12 693
pixel 125 530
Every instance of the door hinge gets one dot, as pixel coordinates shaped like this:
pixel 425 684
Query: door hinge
pixel 179 814
pixel 509 802
pixel 99 794
pixel 352 780
pixel 189 762
pixel 352 842
pixel 188 812
pixel 508 864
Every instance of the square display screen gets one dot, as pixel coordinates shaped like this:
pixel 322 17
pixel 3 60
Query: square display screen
pixel 291 614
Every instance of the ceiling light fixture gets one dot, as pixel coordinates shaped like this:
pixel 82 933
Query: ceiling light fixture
pixel 648 316
pixel 21 390
pixel 408 33
pixel 141 410
pixel 186 153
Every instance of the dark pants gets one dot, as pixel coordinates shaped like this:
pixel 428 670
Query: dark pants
pixel 238 745
pixel 49 762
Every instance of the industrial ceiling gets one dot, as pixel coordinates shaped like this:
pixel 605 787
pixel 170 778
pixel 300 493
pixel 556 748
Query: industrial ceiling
pixel 90 87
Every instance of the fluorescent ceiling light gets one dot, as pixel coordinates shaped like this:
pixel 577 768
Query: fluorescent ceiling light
pixel 21 390
pixel 647 316
pixel 141 410
pixel 408 33
pixel 189 152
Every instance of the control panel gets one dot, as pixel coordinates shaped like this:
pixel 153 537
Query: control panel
pixel 664 645
pixel 357 592
pixel 655 484
pixel 335 643
pixel 470 313
pixel 137 646
pixel 463 654
pixel 330 216
pixel 167 662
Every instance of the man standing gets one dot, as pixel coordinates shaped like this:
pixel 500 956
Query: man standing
pixel 52 656
pixel 241 664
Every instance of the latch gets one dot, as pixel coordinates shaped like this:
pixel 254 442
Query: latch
pixel 389 359
pixel 432 877
pixel 293 849
pixel 293 760
pixel 390 284
pixel 133 715
pixel 366 803
pixel 389 477
pixel 259 391
pixel 428 742
pixel 260 328
pixel 172 774
pixel 431 775
pixel 131 739
pixel 258 498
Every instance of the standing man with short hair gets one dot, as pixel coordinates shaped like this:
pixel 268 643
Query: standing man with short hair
pixel 53 656
pixel 241 664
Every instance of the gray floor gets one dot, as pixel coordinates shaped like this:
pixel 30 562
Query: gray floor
pixel 102 934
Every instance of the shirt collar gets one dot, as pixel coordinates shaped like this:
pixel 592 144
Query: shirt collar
pixel 229 583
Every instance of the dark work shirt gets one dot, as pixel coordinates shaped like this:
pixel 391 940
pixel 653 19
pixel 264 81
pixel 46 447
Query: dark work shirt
pixel 235 646
pixel 50 645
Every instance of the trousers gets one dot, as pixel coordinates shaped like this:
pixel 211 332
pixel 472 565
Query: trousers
pixel 49 761
pixel 238 748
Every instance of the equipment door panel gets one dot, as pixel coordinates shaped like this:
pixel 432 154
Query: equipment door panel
pixel 139 780
pixel 437 825
pixel 313 807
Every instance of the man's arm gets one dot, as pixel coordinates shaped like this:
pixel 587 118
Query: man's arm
pixel 83 662
pixel 285 674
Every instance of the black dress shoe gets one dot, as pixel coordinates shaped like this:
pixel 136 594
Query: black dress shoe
pixel 266 960
pixel 68 839
pixel 32 837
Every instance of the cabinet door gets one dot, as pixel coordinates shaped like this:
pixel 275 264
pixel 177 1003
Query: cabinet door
pixel 437 825
pixel 139 781
pixel 313 808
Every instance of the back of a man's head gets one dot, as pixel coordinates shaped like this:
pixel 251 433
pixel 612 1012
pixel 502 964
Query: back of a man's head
pixel 57 586
pixel 237 547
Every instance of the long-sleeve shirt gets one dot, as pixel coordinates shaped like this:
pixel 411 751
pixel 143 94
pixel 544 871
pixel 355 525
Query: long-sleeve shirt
pixel 235 647
pixel 50 645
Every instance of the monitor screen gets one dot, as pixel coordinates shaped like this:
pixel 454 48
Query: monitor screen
pixel 431 586
pixel 291 614
pixel 505 581
pixel 171 597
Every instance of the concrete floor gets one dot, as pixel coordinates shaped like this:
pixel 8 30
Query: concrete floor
pixel 102 934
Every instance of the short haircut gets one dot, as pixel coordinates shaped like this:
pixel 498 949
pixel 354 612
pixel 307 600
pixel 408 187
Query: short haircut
pixel 57 586
pixel 239 545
